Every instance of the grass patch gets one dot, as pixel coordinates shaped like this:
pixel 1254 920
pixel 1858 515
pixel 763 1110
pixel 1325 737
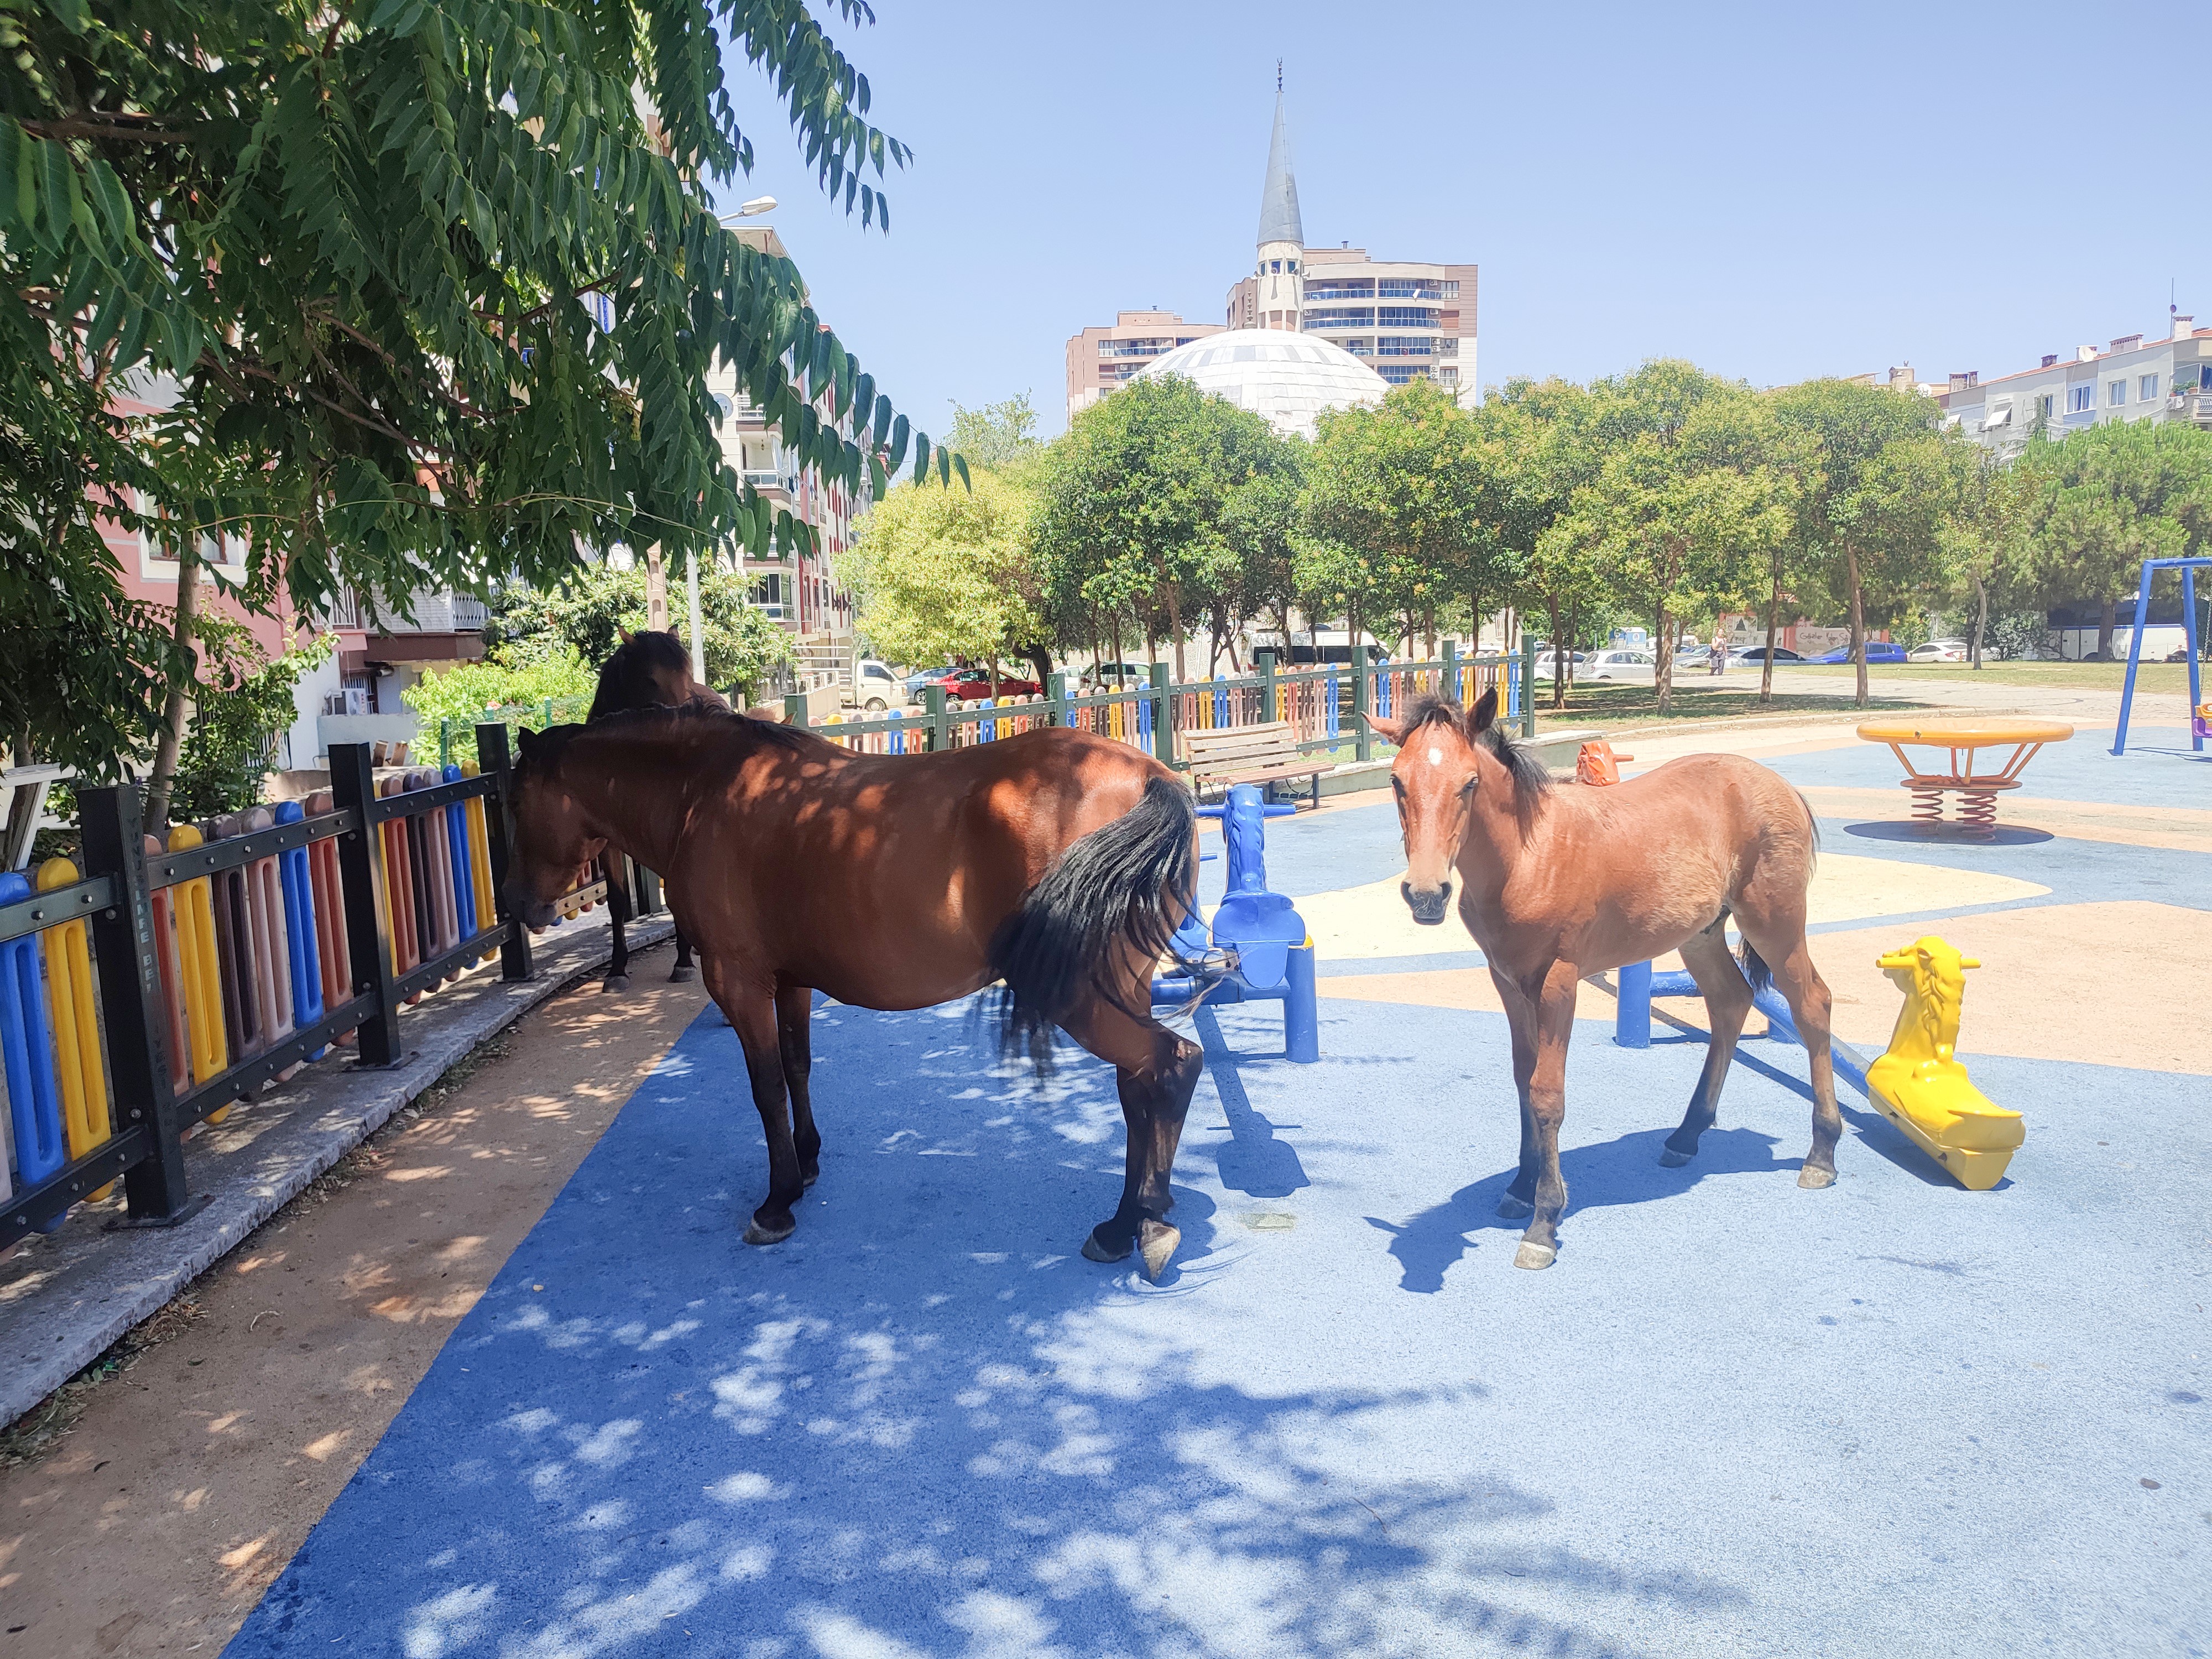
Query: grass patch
pixel 2078 676
pixel 1610 703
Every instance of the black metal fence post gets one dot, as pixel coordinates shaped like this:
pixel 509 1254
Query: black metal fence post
pixel 493 761
pixel 1265 660
pixel 1362 700
pixel 1162 715
pixel 126 948
pixel 361 889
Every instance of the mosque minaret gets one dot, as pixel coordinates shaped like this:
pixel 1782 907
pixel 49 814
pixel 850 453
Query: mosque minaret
pixel 1282 236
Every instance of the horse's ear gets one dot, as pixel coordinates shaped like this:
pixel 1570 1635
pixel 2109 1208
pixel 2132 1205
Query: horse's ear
pixel 1389 730
pixel 1485 711
pixel 624 632
pixel 525 744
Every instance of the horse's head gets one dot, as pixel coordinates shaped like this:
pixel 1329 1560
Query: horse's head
pixel 650 669
pixel 554 841
pixel 1440 767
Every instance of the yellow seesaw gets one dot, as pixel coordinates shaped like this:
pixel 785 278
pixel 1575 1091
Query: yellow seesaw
pixel 1919 1084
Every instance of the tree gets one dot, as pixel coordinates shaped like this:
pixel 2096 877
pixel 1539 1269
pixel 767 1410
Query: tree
pixel 2105 499
pixel 590 614
pixel 1682 498
pixel 1873 496
pixel 942 572
pixel 1001 436
pixel 1540 447
pixel 438 284
pixel 1134 502
pixel 1985 534
pixel 1403 486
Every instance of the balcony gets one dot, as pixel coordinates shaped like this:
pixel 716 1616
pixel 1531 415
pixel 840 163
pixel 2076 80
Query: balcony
pixel 428 611
pixel 1396 345
pixel 1338 317
pixel 1134 348
pixel 769 478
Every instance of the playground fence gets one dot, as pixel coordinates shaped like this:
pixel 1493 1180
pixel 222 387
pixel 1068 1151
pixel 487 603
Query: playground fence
pixel 1323 706
pixel 160 984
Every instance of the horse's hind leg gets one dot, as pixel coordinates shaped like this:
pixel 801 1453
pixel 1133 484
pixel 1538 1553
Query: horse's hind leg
pixel 1727 1000
pixel 618 918
pixel 794 1031
pixel 682 972
pixel 1156 1072
pixel 1790 962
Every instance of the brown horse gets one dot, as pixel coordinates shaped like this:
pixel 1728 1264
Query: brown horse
pixel 1556 885
pixel 1057 861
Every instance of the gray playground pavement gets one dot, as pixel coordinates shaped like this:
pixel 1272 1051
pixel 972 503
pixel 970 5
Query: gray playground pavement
pixel 1735 1419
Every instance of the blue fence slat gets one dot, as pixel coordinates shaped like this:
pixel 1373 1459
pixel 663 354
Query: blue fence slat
pixel 27 1048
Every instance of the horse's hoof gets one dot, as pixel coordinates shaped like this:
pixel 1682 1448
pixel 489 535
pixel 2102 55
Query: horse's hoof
pixel 756 1233
pixel 1094 1250
pixel 1813 1178
pixel 614 982
pixel 680 976
pixel 808 1177
pixel 1159 1242
pixel 1535 1256
pixel 1671 1159
pixel 1510 1208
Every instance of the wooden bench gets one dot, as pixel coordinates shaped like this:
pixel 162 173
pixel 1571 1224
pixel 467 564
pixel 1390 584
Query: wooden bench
pixel 1249 754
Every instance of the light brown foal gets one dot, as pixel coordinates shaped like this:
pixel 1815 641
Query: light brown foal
pixel 1557 885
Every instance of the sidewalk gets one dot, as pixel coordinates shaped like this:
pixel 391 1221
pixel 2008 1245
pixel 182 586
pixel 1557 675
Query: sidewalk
pixel 65 1297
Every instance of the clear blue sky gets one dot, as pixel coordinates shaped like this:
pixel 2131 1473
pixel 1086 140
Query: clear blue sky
pixel 1773 192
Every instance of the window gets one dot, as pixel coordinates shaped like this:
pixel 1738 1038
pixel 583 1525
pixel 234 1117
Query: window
pixel 1338 288
pixel 2043 404
pixel 1340 316
pixel 156 548
pixel 1293 265
pixel 2117 393
pixel 1358 348
pixel 2080 400
pixel 1399 374
pixel 1403 345
pixel 1449 375
pixel 2146 389
pixel 1407 317
pixel 1447 347
pixel 1415 288
pixel 1275 266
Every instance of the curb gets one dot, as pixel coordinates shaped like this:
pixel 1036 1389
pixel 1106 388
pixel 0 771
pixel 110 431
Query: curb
pixel 66 1297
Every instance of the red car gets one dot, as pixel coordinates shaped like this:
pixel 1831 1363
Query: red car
pixel 968 685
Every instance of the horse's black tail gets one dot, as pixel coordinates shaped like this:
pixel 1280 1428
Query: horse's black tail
pixel 1126 886
pixel 1756 971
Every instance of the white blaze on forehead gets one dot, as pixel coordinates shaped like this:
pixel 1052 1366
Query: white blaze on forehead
pixel 1436 756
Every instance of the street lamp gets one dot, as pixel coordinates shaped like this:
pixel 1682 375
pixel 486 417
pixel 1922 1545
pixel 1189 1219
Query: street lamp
pixel 747 210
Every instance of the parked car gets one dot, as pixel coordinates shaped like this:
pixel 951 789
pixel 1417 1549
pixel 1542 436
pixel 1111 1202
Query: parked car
pixel 1757 653
pixel 1116 676
pixel 1876 651
pixel 913 682
pixel 875 687
pixel 970 685
pixel 1937 651
pixel 1636 666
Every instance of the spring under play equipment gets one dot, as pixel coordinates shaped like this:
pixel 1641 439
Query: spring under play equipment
pixel 1258 949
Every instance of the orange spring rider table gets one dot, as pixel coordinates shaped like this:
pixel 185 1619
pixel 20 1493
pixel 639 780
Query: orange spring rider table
pixel 1978 786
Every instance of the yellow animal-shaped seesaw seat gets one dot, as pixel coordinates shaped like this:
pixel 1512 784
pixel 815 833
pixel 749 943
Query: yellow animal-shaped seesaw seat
pixel 1919 1084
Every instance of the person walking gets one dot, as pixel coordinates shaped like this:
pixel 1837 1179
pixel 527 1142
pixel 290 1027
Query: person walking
pixel 1717 663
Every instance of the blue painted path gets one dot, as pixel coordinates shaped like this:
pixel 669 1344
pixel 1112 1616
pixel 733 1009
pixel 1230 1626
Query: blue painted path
pixel 1736 1420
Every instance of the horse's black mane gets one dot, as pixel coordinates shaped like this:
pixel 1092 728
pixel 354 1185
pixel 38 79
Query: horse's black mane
pixel 1532 779
pixel 549 745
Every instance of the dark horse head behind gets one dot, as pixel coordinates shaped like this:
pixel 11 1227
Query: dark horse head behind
pixel 650 669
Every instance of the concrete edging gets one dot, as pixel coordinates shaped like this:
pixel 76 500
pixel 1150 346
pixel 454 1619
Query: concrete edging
pixel 66 1297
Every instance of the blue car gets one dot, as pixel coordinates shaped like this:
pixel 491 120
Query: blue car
pixel 1876 650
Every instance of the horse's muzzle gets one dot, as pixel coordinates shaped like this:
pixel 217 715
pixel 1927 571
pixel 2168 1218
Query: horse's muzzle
pixel 1428 904
pixel 533 913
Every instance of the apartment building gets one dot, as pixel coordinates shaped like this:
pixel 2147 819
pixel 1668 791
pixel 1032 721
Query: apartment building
pixel 2131 378
pixel 1101 359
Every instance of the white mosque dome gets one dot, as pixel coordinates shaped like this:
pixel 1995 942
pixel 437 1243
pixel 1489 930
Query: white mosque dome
pixel 1287 378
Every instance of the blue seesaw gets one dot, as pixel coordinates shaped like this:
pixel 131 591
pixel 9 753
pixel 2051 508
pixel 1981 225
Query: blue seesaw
pixel 1259 950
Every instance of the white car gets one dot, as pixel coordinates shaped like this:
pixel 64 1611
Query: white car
pixel 1938 651
pixel 1638 668
pixel 875 688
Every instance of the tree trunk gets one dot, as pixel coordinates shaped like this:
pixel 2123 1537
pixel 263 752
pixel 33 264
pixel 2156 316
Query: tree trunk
pixel 2107 620
pixel 1858 621
pixel 1773 628
pixel 1117 641
pixel 1574 638
pixel 1981 621
pixel 1041 659
pixel 1212 646
pixel 1663 677
pixel 1174 626
pixel 178 707
pixel 1474 620
pixel 656 590
pixel 1558 656
pixel 1429 633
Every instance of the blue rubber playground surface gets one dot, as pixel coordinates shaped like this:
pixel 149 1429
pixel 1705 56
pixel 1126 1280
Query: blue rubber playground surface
pixel 1894 1418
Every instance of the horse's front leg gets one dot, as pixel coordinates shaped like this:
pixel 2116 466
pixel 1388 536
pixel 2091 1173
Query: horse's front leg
pixel 750 1009
pixel 794 1030
pixel 619 914
pixel 1547 1109
pixel 1519 1199
pixel 1155 1072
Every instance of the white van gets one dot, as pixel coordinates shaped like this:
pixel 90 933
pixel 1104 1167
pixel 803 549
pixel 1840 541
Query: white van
pixel 875 688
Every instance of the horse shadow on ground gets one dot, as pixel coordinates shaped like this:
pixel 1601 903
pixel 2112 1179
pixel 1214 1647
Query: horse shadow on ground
pixel 923 1427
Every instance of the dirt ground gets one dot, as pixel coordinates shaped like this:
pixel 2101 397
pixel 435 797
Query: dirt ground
pixel 154 1524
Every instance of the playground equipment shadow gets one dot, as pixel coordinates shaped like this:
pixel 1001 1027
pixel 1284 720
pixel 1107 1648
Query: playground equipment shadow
pixel 1737 1418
